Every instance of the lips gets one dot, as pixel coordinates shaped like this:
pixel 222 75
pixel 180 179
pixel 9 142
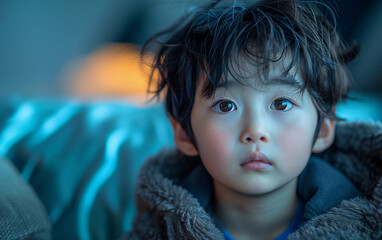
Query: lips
pixel 256 161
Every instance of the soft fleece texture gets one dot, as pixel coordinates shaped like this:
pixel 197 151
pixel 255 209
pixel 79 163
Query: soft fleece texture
pixel 168 211
pixel 22 215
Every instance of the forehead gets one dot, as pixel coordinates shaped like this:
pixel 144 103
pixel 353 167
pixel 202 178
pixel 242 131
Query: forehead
pixel 256 73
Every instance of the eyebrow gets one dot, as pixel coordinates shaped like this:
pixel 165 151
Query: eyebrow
pixel 289 81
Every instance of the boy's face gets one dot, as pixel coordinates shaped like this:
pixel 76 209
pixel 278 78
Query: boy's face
pixel 255 140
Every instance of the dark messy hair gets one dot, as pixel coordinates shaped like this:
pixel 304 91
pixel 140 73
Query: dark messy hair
pixel 202 45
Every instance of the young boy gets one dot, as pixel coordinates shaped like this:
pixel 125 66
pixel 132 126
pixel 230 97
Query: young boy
pixel 251 92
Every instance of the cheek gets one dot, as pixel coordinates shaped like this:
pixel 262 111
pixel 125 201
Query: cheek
pixel 212 141
pixel 296 140
pixel 214 150
pixel 295 152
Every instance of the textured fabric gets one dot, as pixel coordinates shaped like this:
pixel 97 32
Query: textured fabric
pixel 316 186
pixel 22 215
pixel 166 210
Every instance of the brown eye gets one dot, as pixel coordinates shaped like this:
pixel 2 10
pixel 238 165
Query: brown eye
pixel 224 106
pixel 282 104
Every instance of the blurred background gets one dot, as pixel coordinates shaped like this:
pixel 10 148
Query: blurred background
pixel 89 49
pixel 72 90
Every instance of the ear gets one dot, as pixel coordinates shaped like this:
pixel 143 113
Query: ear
pixel 182 140
pixel 325 137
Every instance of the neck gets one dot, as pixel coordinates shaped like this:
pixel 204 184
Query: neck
pixel 263 216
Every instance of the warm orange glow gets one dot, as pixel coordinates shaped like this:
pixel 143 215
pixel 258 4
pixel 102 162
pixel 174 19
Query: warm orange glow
pixel 115 71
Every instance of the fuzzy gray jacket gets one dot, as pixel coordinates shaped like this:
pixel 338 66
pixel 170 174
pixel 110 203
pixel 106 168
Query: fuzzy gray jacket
pixel 167 210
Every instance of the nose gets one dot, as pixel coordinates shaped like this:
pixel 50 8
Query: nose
pixel 253 136
pixel 254 131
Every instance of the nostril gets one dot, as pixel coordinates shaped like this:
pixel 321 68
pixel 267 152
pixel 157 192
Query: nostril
pixel 252 138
